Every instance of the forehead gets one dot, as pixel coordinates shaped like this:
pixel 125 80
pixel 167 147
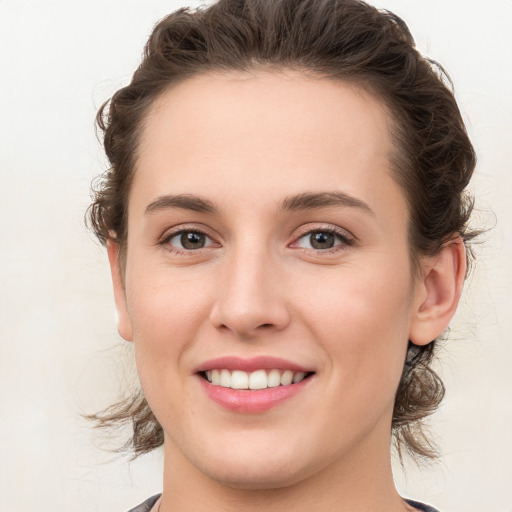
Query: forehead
pixel 267 133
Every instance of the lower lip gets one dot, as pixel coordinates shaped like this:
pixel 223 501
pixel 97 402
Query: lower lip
pixel 252 401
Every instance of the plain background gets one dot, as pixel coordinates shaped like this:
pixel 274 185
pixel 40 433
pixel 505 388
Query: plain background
pixel 60 354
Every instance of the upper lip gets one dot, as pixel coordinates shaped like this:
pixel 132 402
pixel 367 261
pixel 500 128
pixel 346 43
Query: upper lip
pixel 250 364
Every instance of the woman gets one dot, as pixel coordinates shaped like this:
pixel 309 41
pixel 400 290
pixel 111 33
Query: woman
pixel 286 223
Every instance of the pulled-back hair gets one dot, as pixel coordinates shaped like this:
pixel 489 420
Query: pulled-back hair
pixel 345 40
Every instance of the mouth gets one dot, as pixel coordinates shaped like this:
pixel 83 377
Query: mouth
pixel 252 385
pixel 258 379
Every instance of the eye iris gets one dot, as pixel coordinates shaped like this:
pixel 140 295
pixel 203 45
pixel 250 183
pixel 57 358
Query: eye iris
pixel 322 240
pixel 191 240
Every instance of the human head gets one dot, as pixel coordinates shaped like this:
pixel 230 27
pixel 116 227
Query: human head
pixel 344 40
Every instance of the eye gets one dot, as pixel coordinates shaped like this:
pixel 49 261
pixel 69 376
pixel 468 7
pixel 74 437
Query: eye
pixel 188 240
pixel 322 240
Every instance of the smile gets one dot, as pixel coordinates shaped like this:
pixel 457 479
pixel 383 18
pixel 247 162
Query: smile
pixel 252 385
pixel 259 379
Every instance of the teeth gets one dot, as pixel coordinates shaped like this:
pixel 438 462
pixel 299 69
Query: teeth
pixel 273 378
pixel 259 379
pixel 239 380
pixel 225 378
pixel 298 377
pixel 286 378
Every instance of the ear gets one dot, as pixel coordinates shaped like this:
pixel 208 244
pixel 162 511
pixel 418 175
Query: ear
pixel 437 294
pixel 124 325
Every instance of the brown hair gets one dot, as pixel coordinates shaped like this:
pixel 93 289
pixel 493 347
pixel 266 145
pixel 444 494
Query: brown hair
pixel 345 40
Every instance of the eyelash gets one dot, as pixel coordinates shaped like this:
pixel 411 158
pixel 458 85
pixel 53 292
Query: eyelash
pixel 342 236
pixel 165 241
pixel 346 239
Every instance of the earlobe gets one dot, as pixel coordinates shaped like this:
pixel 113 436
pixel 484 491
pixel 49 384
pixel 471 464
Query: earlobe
pixel 438 293
pixel 124 325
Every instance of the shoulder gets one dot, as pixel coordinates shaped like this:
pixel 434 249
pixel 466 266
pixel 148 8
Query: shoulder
pixel 421 506
pixel 146 505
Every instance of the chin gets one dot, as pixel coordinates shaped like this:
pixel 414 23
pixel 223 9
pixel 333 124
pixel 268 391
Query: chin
pixel 262 477
pixel 239 467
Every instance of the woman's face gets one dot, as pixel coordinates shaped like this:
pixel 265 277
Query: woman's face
pixel 267 237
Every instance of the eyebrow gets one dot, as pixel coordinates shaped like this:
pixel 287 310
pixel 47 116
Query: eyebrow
pixel 304 201
pixel 311 200
pixel 181 201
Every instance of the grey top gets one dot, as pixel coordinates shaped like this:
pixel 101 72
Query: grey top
pixel 421 506
pixel 146 506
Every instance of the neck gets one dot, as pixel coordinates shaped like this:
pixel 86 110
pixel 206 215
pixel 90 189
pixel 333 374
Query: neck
pixel 361 480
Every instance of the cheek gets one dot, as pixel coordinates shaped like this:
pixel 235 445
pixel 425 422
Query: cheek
pixel 361 318
pixel 166 318
pixel 167 313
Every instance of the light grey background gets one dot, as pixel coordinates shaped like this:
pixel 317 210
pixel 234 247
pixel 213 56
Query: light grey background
pixel 59 350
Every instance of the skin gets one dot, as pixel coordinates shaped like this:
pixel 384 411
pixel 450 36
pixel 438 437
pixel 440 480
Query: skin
pixel 246 142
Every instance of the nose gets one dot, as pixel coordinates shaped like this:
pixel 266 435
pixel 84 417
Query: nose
pixel 251 296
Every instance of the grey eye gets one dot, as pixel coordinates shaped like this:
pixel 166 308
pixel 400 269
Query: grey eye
pixel 190 240
pixel 321 240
